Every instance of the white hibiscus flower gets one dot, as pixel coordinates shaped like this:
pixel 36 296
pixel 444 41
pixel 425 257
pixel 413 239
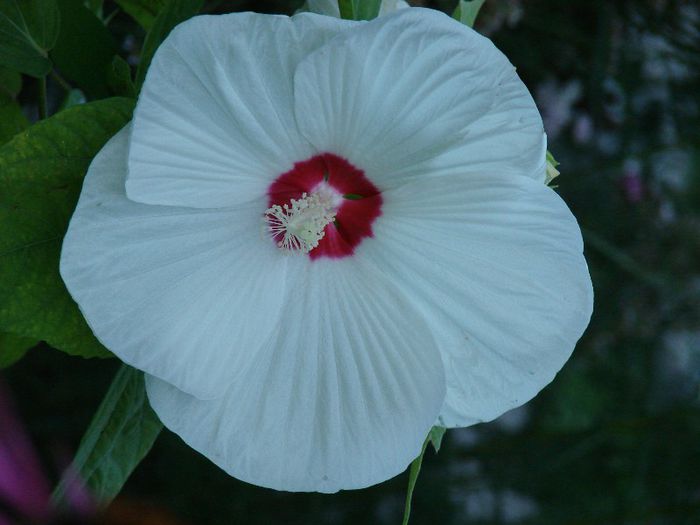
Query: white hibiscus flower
pixel 434 278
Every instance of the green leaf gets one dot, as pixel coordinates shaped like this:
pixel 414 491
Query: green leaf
pixel 359 9
pixel 13 347
pixel 175 12
pixel 551 172
pixel 120 435
pixel 435 437
pixel 143 11
pixel 413 472
pixel 467 11
pixel 10 82
pixel 84 50
pixel 119 78
pixel 28 29
pixel 41 173
pixel 95 7
pixel 12 120
pixel 347 9
pixel 74 97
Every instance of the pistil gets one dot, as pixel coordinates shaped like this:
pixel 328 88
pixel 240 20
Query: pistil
pixel 299 226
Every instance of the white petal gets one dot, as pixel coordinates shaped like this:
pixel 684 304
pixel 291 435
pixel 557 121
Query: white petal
pixel 342 397
pixel 187 295
pixel 405 88
pixel 495 264
pixel 214 123
pixel 508 138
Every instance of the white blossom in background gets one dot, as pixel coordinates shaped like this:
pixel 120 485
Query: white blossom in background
pixel 583 129
pixel 608 142
pixel 615 101
pixel 514 420
pixel 488 504
pixel 660 60
pixel 516 507
pixel 557 102
pixel 672 169
pixel 428 274
pixel 677 367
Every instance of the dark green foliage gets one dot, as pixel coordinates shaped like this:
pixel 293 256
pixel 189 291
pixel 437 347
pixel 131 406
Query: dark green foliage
pixel 119 79
pixel 359 9
pixel 175 12
pixel 12 120
pixel 10 82
pixel 41 173
pixel 84 49
pixel 120 435
pixel 13 347
pixel 143 11
pixel 28 30
pixel 467 11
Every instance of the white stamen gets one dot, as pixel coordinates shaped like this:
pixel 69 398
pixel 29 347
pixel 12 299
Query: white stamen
pixel 298 228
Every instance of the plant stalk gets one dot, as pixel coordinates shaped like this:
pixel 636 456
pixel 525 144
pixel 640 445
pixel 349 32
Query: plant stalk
pixel 412 478
pixel 42 98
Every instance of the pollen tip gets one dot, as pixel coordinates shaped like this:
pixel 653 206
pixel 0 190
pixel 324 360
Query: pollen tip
pixel 298 227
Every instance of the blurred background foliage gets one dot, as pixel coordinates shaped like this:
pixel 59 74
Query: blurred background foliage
pixel 615 439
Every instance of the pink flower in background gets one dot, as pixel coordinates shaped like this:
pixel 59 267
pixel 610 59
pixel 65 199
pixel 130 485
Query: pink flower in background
pixel 24 489
pixel 23 486
pixel 632 184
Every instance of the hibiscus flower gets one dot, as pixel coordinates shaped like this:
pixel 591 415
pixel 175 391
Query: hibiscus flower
pixel 319 238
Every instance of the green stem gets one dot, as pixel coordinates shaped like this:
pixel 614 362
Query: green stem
pixel 412 478
pixel 60 80
pixel 110 16
pixel 347 10
pixel 623 261
pixel 42 98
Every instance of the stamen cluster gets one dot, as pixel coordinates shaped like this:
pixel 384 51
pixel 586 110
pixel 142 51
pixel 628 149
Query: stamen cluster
pixel 299 226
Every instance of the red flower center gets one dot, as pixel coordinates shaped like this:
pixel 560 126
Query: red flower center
pixel 357 201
